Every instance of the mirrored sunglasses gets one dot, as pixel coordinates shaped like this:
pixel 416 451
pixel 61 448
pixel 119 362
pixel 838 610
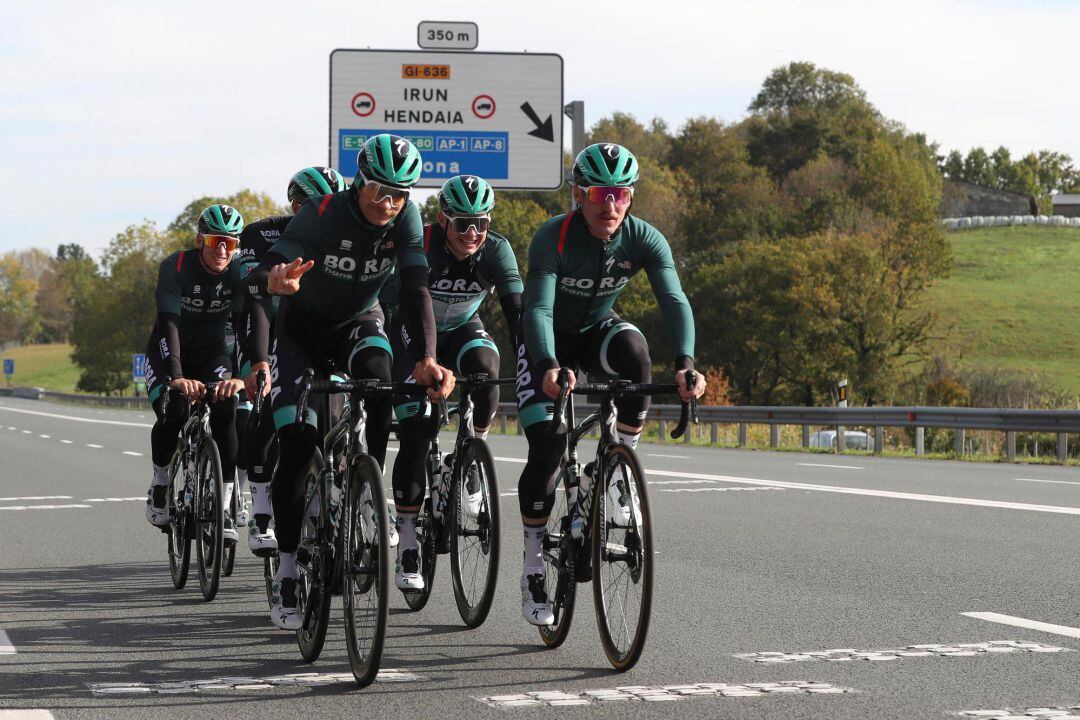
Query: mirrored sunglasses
pixel 478 223
pixel 601 194
pixel 212 241
pixel 382 192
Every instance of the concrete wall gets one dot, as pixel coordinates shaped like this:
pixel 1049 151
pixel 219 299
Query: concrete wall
pixel 964 199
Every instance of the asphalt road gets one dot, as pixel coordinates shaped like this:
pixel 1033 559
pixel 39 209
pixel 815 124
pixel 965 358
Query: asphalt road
pixel 766 562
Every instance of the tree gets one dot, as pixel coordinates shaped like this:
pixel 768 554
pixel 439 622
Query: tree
pixel 252 206
pixel 18 288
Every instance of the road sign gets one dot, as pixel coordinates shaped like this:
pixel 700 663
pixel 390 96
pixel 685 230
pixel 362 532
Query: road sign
pixel 447 35
pixel 497 115
pixel 9 366
pixel 138 367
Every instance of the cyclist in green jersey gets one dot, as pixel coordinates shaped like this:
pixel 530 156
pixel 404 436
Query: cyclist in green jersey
pixel 578 264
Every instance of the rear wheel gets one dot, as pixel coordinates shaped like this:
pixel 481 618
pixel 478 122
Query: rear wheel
pixel 179 525
pixel 622 560
pixel 559 574
pixel 366 576
pixel 314 560
pixel 209 519
pixel 270 566
pixel 230 548
pixel 474 536
pixel 426 537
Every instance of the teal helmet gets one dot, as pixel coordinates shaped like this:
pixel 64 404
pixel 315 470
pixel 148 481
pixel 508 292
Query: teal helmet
pixel 221 220
pixel 314 181
pixel 605 164
pixel 466 195
pixel 390 160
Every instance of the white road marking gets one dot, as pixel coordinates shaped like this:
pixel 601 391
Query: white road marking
pixel 92 445
pixel 44 436
pixel 1025 623
pixel 26 432
pixel 6 648
pixel 308 679
pixel 35 497
pixel 715 489
pixel 994 647
pixel 116 499
pixel 677 457
pixel 1058 482
pixel 42 507
pixel 132 453
pixel 25 715
pixel 66 442
pixel 946 499
pixel 10 427
pixel 841 467
pixel 76 419
pixel 645 693
pixel 1043 711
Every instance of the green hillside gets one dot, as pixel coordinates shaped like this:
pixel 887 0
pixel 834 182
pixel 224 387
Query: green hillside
pixel 46 366
pixel 1013 301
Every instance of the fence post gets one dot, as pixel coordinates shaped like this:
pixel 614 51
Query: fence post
pixel 714 433
pixel 841 445
pixel 806 436
pixel 502 423
pixel 742 434
pixel 959 445
pixel 1010 444
pixel 689 434
pixel 774 435
pixel 879 440
pixel 663 429
pixel 1062 447
pixel 920 440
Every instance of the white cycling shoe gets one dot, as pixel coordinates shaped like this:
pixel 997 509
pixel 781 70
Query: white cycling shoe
pixel 407 576
pixel 157 506
pixel 285 604
pixel 261 538
pixel 534 601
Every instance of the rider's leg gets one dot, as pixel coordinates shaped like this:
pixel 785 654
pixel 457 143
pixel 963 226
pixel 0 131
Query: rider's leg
pixel 480 355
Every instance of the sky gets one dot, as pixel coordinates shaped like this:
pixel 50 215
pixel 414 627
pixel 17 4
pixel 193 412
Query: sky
pixel 123 110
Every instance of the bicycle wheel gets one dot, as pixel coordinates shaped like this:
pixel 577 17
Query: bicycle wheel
pixel 366 576
pixel 427 530
pixel 230 549
pixel 559 550
pixel 270 566
pixel 179 523
pixel 209 519
pixel 474 538
pixel 622 561
pixel 314 560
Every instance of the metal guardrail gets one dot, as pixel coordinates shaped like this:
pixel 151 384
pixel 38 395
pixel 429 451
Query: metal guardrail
pixel 127 403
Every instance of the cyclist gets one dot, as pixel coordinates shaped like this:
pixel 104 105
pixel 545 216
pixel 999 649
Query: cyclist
pixel 578 264
pixel 197 291
pixel 352 239
pixel 256 240
pixel 466 261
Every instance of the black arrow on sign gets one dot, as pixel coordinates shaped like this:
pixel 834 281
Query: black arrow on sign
pixel 543 129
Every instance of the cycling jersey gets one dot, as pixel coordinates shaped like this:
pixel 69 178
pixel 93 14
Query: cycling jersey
pixel 574 279
pixel 258 237
pixel 458 287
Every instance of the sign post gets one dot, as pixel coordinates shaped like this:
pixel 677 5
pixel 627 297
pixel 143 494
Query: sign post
pixel 841 395
pixel 496 115
pixel 9 369
pixel 138 372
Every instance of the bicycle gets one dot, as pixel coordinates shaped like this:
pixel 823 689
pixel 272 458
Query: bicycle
pixel 195 494
pixel 584 542
pixel 270 557
pixel 345 534
pixel 446 524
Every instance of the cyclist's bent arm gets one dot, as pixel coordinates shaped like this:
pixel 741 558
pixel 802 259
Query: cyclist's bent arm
pixel 538 311
pixel 508 286
pixel 167 296
pixel 678 316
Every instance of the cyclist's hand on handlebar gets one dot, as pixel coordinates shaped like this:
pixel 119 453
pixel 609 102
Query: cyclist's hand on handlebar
pixel 440 380
pixel 285 277
pixel 551 382
pixel 227 388
pixel 193 390
pixel 251 383
pixel 695 392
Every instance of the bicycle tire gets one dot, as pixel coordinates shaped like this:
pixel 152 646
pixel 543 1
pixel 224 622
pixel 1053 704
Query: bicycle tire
pixel 366 578
pixel 230 550
pixel 622 557
pixel 179 539
pixel 270 566
pixel 427 530
pixel 474 603
pixel 314 586
pixel 209 518
pixel 559 550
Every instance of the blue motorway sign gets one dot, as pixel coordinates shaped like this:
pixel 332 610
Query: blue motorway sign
pixel 138 367
pixel 446 153
pixel 9 366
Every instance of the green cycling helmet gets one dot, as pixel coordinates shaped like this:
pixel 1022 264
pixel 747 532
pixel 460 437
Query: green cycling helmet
pixel 605 164
pixel 466 195
pixel 390 160
pixel 221 220
pixel 314 181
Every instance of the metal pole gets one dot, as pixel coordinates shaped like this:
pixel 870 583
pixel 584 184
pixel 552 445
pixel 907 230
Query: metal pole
pixel 806 436
pixel 920 440
pixel 742 434
pixel 1062 447
pixel 959 441
pixel 774 435
pixel 879 440
pixel 714 433
pixel 1010 444
pixel 575 110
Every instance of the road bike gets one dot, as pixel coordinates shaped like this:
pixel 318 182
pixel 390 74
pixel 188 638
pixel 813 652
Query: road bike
pixel 345 534
pixel 195 500
pixel 589 537
pixel 460 513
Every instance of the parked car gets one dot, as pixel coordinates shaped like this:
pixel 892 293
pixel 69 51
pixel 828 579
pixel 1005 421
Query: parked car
pixel 853 439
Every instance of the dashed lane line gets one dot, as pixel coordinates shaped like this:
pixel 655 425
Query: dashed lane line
pixel 25 715
pixel 1025 623
pixel 665 693
pixel 94 445
pixel 116 499
pixel 132 453
pixel 76 419
pixel 44 436
pixel 66 442
pixel 26 432
pixel 36 497
pixel 677 457
pixel 840 467
pixel 1056 482
pixel 310 679
pixel 1071 712
pixel 993 647
pixel 42 507
pixel 6 648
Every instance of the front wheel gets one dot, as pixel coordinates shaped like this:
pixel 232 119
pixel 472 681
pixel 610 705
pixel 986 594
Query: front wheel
pixel 474 534
pixel 559 552
pixel 179 525
pixel 366 570
pixel 315 563
pixel 622 557
pixel 427 536
pixel 209 519
pixel 230 550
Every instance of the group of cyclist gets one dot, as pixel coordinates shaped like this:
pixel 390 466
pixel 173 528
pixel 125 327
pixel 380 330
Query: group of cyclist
pixel 313 290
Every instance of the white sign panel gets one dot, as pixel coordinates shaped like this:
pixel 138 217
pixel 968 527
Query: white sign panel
pixel 447 35
pixel 496 115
